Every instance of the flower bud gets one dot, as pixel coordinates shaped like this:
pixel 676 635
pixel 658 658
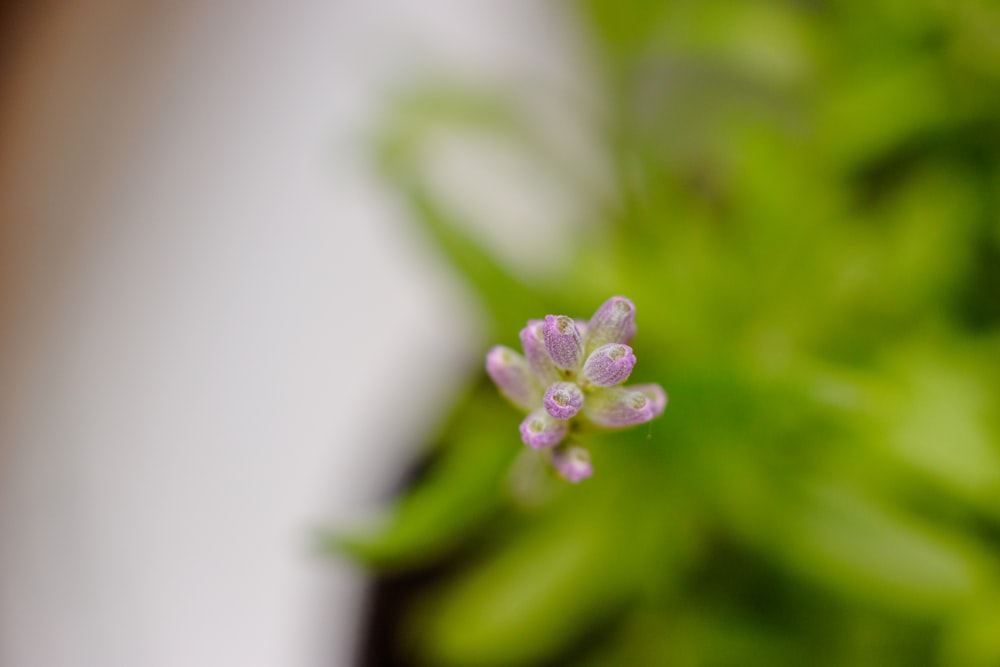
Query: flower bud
pixel 616 407
pixel 563 400
pixel 563 341
pixel 614 322
pixel 572 463
pixel 609 365
pixel 655 394
pixel 540 430
pixel 512 375
pixel 538 357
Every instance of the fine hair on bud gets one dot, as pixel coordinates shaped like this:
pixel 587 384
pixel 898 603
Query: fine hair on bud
pixel 609 365
pixel 563 341
pixel 614 322
pixel 616 407
pixel 563 400
pixel 540 430
pixel 533 343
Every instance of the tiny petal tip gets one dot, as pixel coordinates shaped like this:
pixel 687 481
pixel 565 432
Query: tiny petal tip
pixel 533 343
pixel 609 365
pixel 563 341
pixel 540 430
pixel 563 400
pixel 613 322
pixel 657 397
pixel 513 376
pixel 617 407
pixel 572 463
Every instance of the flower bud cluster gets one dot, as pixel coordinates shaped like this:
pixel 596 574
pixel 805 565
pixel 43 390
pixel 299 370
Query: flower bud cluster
pixel 571 373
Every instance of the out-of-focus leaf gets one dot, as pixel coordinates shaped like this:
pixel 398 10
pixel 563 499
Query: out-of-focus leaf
pixel 878 555
pixel 940 427
pixel 971 639
pixel 864 116
pixel 564 573
pixel 459 492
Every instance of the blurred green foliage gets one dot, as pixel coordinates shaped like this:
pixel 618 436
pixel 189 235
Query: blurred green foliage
pixel 803 200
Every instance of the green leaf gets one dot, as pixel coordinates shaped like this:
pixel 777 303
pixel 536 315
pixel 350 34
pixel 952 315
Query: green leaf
pixel 459 493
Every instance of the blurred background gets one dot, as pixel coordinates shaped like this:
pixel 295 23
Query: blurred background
pixel 253 253
pixel 206 290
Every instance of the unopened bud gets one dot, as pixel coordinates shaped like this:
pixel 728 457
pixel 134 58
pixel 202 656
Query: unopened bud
pixel 657 397
pixel 513 376
pixel 563 400
pixel 614 322
pixel 538 357
pixel 563 341
pixel 540 430
pixel 616 407
pixel 609 365
pixel 572 463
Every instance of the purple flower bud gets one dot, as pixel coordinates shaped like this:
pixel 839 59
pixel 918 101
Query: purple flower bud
pixel 538 357
pixel 563 400
pixel 655 394
pixel 580 365
pixel 540 430
pixel 614 322
pixel 563 341
pixel 572 463
pixel 615 407
pixel 609 365
pixel 512 375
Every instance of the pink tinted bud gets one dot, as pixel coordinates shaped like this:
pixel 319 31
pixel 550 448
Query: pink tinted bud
pixel 513 377
pixel 563 400
pixel 563 341
pixel 657 397
pixel 614 322
pixel 616 407
pixel 540 430
pixel 538 357
pixel 609 365
pixel 629 332
pixel 572 463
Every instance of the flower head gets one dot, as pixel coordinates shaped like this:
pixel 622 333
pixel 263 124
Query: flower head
pixel 571 373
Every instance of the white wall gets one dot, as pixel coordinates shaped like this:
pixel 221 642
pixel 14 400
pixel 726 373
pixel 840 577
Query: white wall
pixel 228 336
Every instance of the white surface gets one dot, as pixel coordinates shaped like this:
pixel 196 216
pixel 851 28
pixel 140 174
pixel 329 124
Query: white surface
pixel 230 305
